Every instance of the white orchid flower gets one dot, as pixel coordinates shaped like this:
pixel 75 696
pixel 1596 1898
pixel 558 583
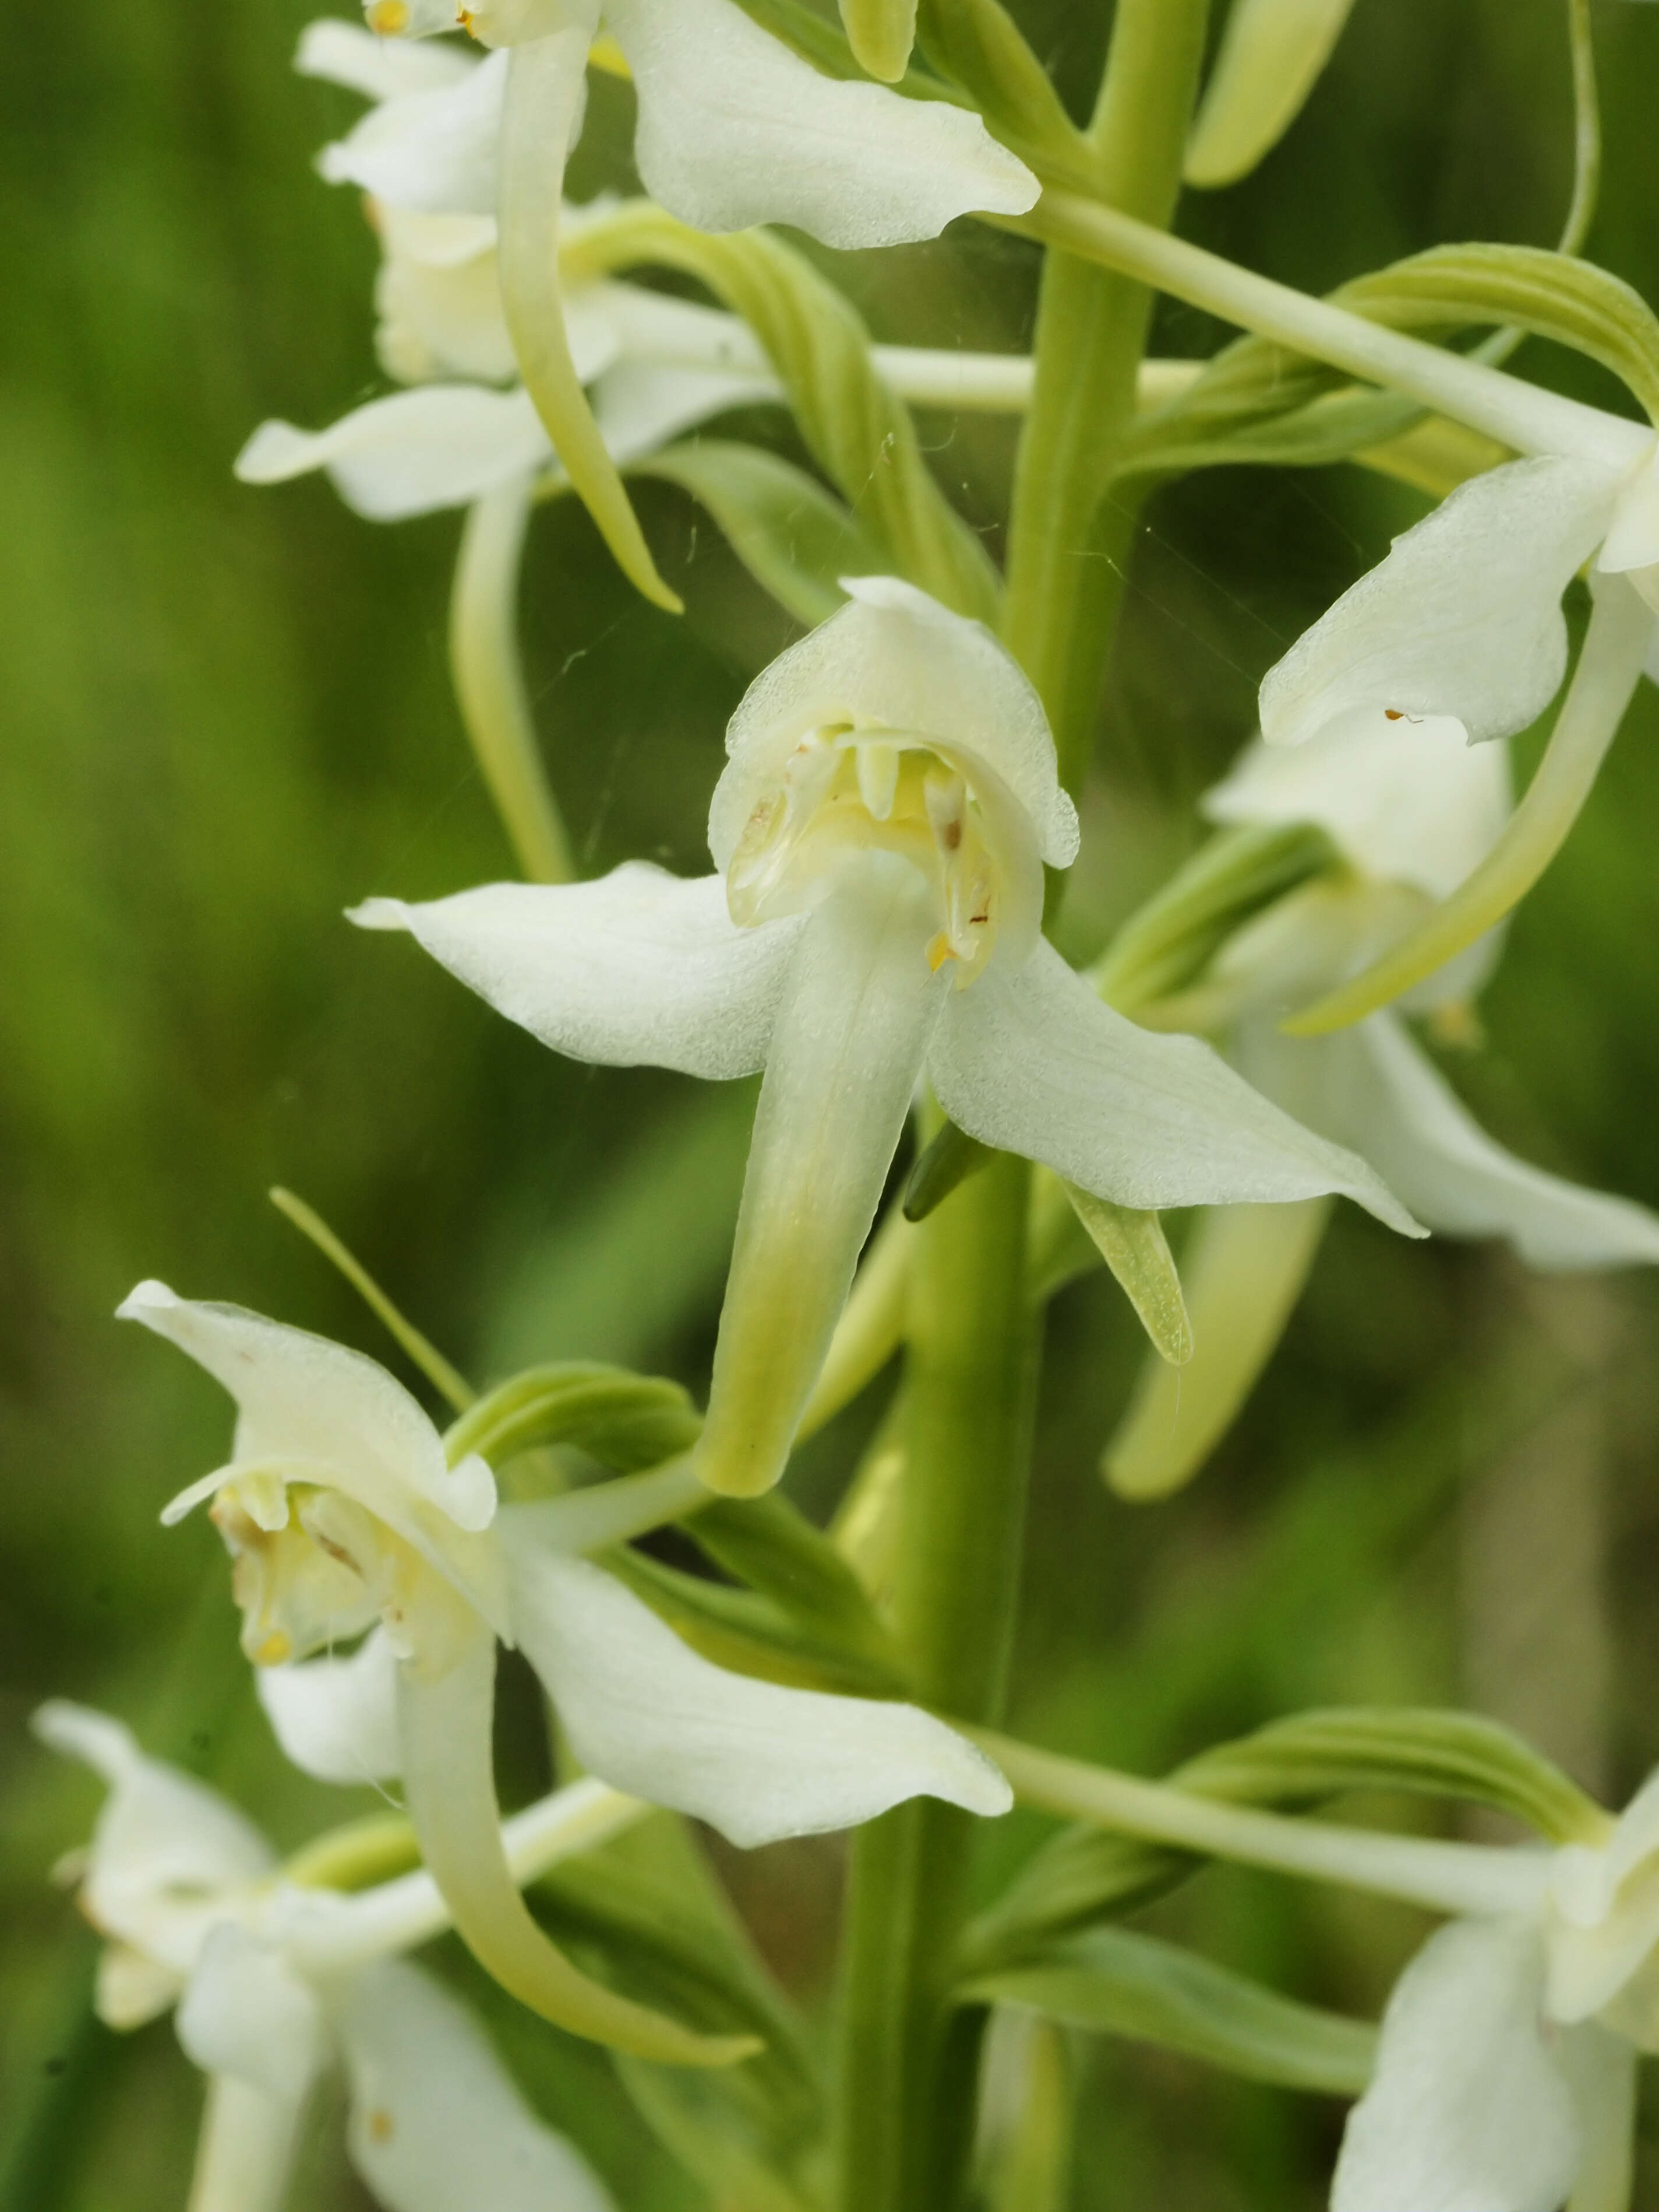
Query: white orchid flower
pixel 1414 810
pixel 340 1509
pixel 273 1984
pixel 1462 621
pixel 1506 2073
pixel 879 834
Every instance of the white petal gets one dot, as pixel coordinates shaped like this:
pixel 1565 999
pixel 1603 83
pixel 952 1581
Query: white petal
pixel 438 297
pixel 1633 542
pixel 1411 801
pixel 163 1843
pixel 1469 2111
pixel 858 1008
pixel 756 1761
pixel 1606 1920
pixel 894 655
pixel 380 69
pixel 734 128
pixel 639 969
pixel 443 446
pixel 437 151
pixel 245 2014
pixel 1030 1060
pixel 1370 1087
pixel 437 2123
pixel 337 1718
pixel 132 1989
pixel 641 405
pixel 1463 618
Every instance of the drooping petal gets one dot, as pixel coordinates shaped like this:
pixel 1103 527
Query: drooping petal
pixel 337 1718
pixel 859 1008
pixel 1410 801
pixel 412 453
pixel 1470 2110
pixel 754 1760
pixel 164 1845
pixel 437 2123
pixel 893 655
pixel 1372 1089
pixel 1463 618
pixel 1601 2071
pixel 1030 1061
pixel 380 69
pixel 1272 53
pixel 444 1724
pixel 437 152
pixel 1242 1272
pixel 301 1399
pixel 642 405
pixel 639 969
pixel 245 2154
pixel 734 128
pixel 246 2014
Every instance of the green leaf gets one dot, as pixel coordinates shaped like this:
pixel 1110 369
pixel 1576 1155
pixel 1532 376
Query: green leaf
pixel 857 431
pixel 795 538
pixel 623 1420
pixel 1170 941
pixel 1114 1982
pixel 1133 1246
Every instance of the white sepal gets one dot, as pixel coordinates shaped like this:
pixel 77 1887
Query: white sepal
pixel 337 1718
pixel 437 2123
pixel 754 1760
pixel 1031 1061
pixel 1470 2110
pixel 380 69
pixel 413 452
pixel 1463 618
pixel 437 152
pixel 639 969
pixel 245 2014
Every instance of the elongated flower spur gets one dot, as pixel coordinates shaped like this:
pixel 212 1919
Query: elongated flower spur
pixel 880 833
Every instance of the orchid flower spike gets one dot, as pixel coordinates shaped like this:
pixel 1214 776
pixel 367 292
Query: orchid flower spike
pixel 1462 623
pixel 880 835
pixel 1506 2072
pixel 734 129
pixel 341 1511
pixel 270 1985
pixel 1412 809
pixel 425 155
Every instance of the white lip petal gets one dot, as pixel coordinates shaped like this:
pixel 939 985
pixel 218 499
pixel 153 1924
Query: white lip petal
pixel 734 128
pixel 1463 618
pixel 893 655
pixel 438 151
pixel 639 969
pixel 445 445
pixel 1469 2107
pixel 756 1761
pixel 1371 1088
pixel 437 2122
pixel 244 2014
pixel 1410 801
pixel 337 1718
pixel 640 405
pixel 1030 1060
pixel 380 69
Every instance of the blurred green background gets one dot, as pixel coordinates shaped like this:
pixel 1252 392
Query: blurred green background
pixel 228 717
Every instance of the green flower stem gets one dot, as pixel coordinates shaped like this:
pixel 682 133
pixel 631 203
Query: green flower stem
pixel 907 2071
pixel 1067 548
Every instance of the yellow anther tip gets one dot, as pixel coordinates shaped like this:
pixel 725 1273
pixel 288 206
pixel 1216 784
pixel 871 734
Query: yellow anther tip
pixel 276 1651
pixel 938 952
pixel 388 18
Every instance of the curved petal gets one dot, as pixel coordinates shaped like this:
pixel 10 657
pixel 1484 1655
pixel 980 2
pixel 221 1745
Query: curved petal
pixel 639 969
pixel 1373 1089
pixel 734 128
pixel 1272 53
pixel 380 69
pixel 413 452
pixel 1030 1061
pixel 1410 801
pixel 337 1718
pixel 445 1724
pixel 858 1010
pixel 438 151
pixel 1463 618
pixel 437 2122
pixel 756 1761
pixel 640 406
pixel 245 2014
pixel 893 655
pixel 1468 2108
